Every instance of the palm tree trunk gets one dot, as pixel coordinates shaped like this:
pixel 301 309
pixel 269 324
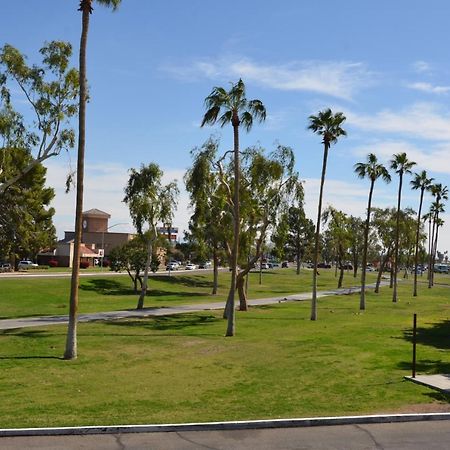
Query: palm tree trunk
pixel 362 298
pixel 71 341
pixel 316 240
pixel 416 249
pixel 148 263
pixel 234 257
pixel 431 261
pixel 397 230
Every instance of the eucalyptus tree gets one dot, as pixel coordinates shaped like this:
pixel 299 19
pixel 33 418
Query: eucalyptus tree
pixel 232 107
pixel 372 170
pixel 149 203
pixel 270 185
pixel 86 9
pixel 340 235
pixel 423 183
pixel 329 126
pixel 356 226
pixel 208 202
pixel 50 91
pixel 401 165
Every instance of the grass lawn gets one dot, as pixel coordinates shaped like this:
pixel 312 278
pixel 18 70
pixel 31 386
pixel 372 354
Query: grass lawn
pixel 182 369
pixel 26 296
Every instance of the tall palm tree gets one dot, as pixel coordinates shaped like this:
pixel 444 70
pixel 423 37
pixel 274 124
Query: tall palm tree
pixel 371 170
pixel 233 107
pixel 329 126
pixel 402 165
pixel 86 10
pixel 422 182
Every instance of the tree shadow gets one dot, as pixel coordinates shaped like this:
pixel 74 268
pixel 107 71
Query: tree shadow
pixel 189 281
pixel 168 323
pixel 106 287
pixel 27 333
pixel 161 293
pixel 438 335
pixel 427 366
pixel 30 357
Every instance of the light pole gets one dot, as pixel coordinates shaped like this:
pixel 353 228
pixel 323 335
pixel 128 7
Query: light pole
pixel 103 240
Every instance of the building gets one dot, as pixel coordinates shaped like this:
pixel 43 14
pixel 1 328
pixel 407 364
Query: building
pixel 97 240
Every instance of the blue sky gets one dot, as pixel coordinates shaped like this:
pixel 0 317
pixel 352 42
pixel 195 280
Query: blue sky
pixel 384 64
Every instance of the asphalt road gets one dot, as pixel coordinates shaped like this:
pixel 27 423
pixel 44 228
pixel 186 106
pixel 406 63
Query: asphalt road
pixel 430 435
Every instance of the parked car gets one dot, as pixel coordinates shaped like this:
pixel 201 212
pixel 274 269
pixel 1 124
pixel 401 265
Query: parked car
pixel 347 267
pixel 284 265
pixel 323 266
pixel 5 267
pixel 205 265
pixel 190 266
pixel 26 264
pixel 265 266
pixel 172 266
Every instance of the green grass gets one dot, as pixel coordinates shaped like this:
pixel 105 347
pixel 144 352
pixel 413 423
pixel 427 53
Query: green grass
pixel 182 369
pixel 26 296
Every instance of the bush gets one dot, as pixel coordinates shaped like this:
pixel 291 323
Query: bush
pixel 53 263
pixel 84 264
pixel 105 262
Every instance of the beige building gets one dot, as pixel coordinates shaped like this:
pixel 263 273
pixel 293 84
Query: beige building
pixel 95 237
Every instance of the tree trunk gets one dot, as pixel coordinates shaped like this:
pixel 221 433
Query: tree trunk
pixel 362 298
pixel 140 304
pixel 431 260
pixel 298 263
pixel 316 239
pixel 396 249
pixel 242 294
pixel 215 272
pixel 71 341
pixel 383 263
pixel 416 248
pixel 235 253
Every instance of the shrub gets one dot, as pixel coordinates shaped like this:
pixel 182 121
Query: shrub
pixel 53 263
pixel 84 264
pixel 105 262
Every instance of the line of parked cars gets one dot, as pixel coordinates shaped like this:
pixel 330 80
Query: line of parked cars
pixel 175 265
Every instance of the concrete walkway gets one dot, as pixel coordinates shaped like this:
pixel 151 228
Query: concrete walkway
pixel 440 382
pixel 26 322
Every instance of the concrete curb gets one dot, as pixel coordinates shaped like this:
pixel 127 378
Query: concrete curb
pixel 214 426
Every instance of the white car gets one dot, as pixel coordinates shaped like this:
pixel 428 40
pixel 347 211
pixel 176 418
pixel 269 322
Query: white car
pixel 26 264
pixel 191 266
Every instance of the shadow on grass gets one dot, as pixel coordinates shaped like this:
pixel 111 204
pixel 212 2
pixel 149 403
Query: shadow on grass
pixel 435 336
pixel 168 323
pixel 427 366
pixel 113 287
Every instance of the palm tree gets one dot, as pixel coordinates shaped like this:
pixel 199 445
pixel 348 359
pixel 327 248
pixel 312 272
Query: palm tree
pixel 233 107
pixel 86 9
pixel 439 192
pixel 371 170
pixel 401 164
pixel 327 125
pixel 422 182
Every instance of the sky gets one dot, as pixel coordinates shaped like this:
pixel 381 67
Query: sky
pixel 151 64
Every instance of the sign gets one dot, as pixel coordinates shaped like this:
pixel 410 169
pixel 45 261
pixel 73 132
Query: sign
pixel 101 252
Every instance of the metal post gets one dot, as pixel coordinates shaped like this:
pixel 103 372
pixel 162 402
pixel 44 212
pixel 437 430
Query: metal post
pixel 414 346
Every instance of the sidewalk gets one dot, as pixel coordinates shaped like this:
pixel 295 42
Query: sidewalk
pixel 9 324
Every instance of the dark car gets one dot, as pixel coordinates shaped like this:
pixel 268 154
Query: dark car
pixel 347 267
pixel 284 265
pixel 323 266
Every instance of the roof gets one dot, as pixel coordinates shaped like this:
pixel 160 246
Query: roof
pixel 86 252
pixel 96 213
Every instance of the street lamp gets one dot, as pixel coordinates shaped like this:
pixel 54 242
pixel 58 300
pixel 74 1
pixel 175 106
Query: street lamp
pixel 103 241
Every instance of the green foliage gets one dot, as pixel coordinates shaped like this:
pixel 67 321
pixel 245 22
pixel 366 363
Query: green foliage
pixel 26 225
pixel 51 91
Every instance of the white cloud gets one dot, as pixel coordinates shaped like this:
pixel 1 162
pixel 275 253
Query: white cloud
pixel 339 79
pixel 422 67
pixel 429 88
pixel 420 120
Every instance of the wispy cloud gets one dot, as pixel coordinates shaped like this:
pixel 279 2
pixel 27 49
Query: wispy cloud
pixel 422 67
pixel 432 158
pixel 420 120
pixel 341 79
pixel 429 88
